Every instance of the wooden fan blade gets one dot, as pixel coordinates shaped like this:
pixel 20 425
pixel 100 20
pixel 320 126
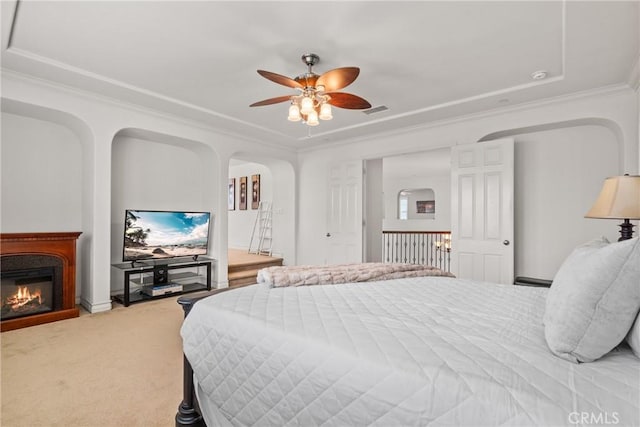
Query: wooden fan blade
pixel 338 78
pixel 348 101
pixel 280 79
pixel 271 101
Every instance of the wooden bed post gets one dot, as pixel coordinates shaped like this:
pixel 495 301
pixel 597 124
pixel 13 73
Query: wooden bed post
pixel 188 411
pixel 187 414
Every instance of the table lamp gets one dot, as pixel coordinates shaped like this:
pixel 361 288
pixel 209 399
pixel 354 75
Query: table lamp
pixel 619 199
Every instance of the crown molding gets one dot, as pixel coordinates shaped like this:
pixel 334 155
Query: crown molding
pixel 104 99
pixel 601 91
pixel 72 70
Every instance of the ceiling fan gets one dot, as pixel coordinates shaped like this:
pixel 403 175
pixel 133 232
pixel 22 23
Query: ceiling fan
pixel 317 92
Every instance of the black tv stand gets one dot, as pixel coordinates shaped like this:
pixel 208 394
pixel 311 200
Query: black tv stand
pixel 182 276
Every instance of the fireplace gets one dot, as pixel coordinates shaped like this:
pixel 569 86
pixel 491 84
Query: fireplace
pixel 26 292
pixel 37 278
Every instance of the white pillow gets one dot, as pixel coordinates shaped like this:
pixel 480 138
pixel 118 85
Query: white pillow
pixel 633 337
pixel 594 299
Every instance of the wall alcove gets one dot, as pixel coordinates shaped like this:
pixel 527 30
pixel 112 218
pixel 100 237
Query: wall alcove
pixel 277 186
pixel 152 171
pixel 54 189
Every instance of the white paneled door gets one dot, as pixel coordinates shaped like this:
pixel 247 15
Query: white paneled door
pixel 344 213
pixel 482 211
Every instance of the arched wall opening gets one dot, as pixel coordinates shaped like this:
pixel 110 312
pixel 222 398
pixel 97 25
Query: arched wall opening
pixel 615 129
pixel 48 152
pixel 277 186
pixel 154 171
pixel 559 169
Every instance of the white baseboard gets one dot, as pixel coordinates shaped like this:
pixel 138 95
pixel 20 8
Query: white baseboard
pixel 96 308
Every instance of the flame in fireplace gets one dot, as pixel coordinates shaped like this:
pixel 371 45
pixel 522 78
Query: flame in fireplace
pixel 23 297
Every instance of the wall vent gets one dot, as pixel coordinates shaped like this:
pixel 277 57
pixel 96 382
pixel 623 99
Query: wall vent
pixel 376 110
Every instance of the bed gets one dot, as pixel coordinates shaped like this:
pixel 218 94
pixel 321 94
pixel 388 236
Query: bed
pixel 403 351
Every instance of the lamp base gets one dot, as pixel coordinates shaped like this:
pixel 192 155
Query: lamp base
pixel 626 230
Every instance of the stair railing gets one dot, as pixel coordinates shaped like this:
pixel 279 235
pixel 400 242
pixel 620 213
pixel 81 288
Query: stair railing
pixel 417 247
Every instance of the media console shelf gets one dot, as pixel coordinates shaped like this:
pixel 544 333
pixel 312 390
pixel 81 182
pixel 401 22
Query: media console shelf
pixel 151 279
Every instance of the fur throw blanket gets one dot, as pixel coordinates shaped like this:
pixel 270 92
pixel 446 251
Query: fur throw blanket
pixel 299 275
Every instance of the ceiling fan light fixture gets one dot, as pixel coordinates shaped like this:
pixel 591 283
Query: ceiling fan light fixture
pixel 318 93
pixel 294 113
pixel 306 105
pixel 312 118
pixel 325 112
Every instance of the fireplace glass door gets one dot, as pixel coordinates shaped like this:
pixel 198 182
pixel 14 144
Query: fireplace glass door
pixel 26 292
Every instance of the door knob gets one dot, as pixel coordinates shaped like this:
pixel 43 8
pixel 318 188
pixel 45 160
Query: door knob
pixel 506 243
pixel 328 234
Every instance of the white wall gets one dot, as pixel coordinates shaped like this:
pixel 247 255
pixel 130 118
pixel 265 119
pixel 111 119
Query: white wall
pixel 150 175
pixel 42 191
pixel 614 116
pixel 374 210
pixel 558 176
pixel 241 222
pixel 285 213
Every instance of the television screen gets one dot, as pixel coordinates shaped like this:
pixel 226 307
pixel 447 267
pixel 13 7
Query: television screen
pixel 164 234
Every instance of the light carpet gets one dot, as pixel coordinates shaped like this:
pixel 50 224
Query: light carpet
pixel 117 368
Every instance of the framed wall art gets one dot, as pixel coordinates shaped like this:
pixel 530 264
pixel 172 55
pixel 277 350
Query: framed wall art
pixel 232 194
pixel 242 205
pixel 255 191
pixel 426 206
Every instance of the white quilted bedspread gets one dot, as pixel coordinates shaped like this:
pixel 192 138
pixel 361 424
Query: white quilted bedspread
pixel 419 351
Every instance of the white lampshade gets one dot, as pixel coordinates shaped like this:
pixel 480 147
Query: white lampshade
pixel 312 118
pixel 618 199
pixel 294 113
pixel 325 112
pixel 306 105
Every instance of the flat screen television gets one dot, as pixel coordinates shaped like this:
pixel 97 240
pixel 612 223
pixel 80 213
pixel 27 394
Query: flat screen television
pixel 150 235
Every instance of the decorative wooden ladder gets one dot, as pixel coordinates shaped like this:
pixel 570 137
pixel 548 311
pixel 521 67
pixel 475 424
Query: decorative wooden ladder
pixel 261 236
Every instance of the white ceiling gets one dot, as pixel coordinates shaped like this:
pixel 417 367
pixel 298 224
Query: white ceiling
pixel 424 60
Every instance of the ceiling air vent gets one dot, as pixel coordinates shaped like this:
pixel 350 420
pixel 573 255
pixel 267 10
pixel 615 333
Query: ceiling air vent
pixel 376 110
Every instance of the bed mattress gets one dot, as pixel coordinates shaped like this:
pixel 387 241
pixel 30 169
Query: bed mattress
pixel 419 351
